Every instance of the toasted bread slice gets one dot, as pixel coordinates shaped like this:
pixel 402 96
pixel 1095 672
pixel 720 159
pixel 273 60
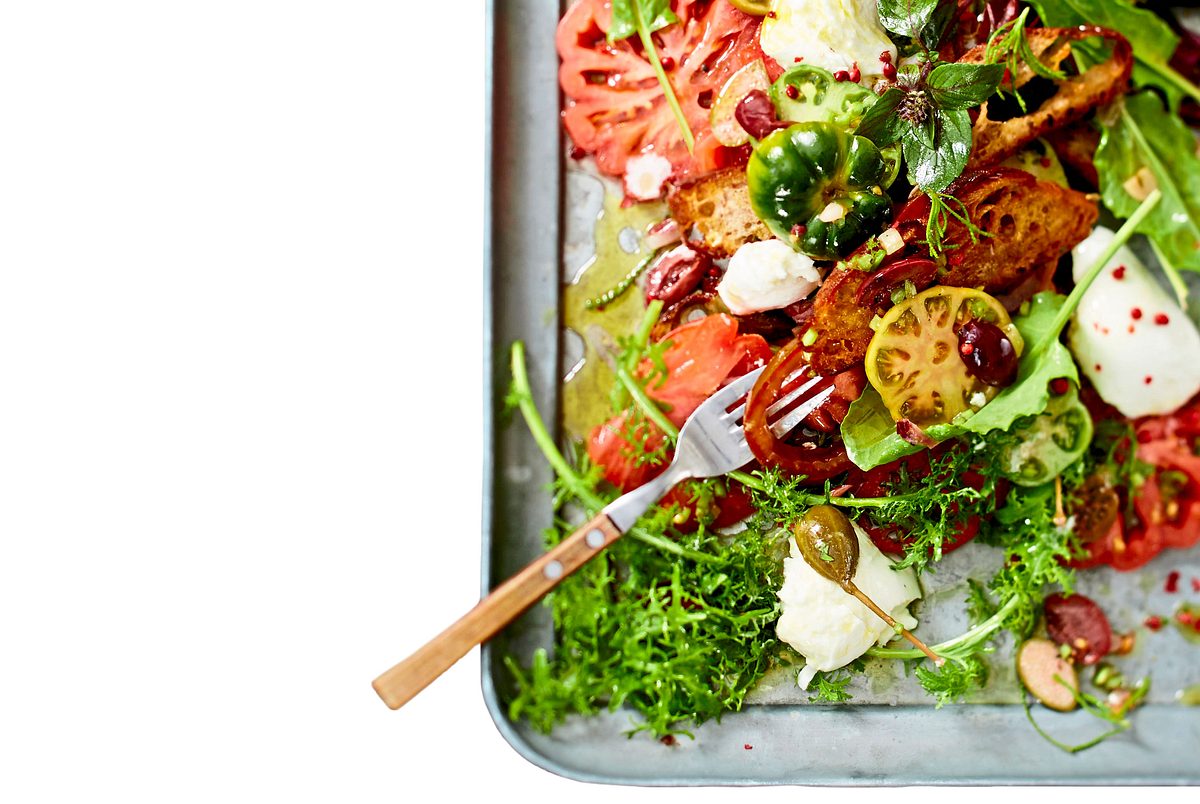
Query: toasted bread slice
pixel 1076 146
pixel 1001 129
pixel 714 212
pixel 1031 225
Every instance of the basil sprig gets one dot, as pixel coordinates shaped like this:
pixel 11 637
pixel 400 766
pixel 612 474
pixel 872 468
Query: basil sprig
pixel 926 111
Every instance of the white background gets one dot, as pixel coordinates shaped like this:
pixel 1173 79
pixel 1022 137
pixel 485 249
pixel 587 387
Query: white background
pixel 240 362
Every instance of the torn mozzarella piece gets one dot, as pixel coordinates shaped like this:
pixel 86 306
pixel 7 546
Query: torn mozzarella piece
pixel 828 626
pixel 766 275
pixel 1139 350
pixel 834 34
pixel 645 175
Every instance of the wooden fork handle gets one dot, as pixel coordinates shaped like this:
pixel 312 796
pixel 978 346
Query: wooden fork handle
pixel 400 684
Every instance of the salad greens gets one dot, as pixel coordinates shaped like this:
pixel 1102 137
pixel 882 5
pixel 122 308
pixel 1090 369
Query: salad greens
pixel 677 622
pixel 1143 136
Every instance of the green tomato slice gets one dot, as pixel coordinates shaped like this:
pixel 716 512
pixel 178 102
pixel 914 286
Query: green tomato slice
pixel 807 93
pixel 1044 446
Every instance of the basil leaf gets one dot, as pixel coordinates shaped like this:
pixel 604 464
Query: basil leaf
pixel 1145 135
pixel 933 167
pixel 963 86
pixel 926 21
pixel 657 15
pixel 1152 39
pixel 880 124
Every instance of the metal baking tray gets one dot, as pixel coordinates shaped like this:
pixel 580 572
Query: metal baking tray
pixel 539 212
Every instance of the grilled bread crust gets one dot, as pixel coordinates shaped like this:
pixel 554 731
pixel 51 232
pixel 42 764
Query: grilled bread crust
pixel 714 212
pixel 995 140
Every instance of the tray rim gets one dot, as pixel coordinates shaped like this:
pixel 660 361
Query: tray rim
pixel 537 749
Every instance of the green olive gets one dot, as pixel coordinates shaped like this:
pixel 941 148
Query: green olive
pixel 828 543
pixel 757 8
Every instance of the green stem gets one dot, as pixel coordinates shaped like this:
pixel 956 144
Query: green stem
pixel 948 648
pixel 649 407
pixel 1121 238
pixel 1070 749
pixel 668 91
pixel 1173 276
pixel 578 486
pixel 1174 78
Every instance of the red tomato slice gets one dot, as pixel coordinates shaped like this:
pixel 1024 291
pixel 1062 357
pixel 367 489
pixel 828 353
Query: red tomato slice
pixel 615 107
pixel 609 448
pixel 702 356
pixel 1167 506
pixel 1170 501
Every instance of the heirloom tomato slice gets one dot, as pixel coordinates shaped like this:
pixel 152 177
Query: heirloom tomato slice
pixel 615 107
pixel 913 359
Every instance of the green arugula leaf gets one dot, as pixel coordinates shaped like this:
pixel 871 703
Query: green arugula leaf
pixel 869 433
pixel 925 21
pixel 1153 40
pixel 963 86
pixel 934 166
pixel 1145 135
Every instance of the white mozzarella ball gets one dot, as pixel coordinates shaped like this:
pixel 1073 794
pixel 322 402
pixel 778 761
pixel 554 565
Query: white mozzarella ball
pixel 1139 350
pixel 827 625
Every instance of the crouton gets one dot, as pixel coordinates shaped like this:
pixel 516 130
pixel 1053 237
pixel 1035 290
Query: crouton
pixel 1002 128
pixel 714 212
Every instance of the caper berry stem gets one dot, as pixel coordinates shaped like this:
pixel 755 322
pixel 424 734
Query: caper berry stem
pixel 887 618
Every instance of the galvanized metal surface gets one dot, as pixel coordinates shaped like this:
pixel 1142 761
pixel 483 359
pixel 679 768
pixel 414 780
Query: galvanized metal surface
pixel 540 229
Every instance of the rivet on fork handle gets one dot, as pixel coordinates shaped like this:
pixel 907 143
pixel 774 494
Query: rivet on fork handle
pixel 401 683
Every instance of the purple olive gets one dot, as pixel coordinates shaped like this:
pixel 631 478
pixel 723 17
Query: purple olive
pixel 987 352
pixel 676 274
pixel 756 114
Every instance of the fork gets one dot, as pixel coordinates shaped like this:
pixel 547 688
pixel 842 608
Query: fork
pixel 711 443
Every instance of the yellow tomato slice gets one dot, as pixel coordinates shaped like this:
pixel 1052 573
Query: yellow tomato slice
pixel 913 360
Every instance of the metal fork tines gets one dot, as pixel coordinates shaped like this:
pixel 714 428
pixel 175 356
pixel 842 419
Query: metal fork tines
pixel 712 441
